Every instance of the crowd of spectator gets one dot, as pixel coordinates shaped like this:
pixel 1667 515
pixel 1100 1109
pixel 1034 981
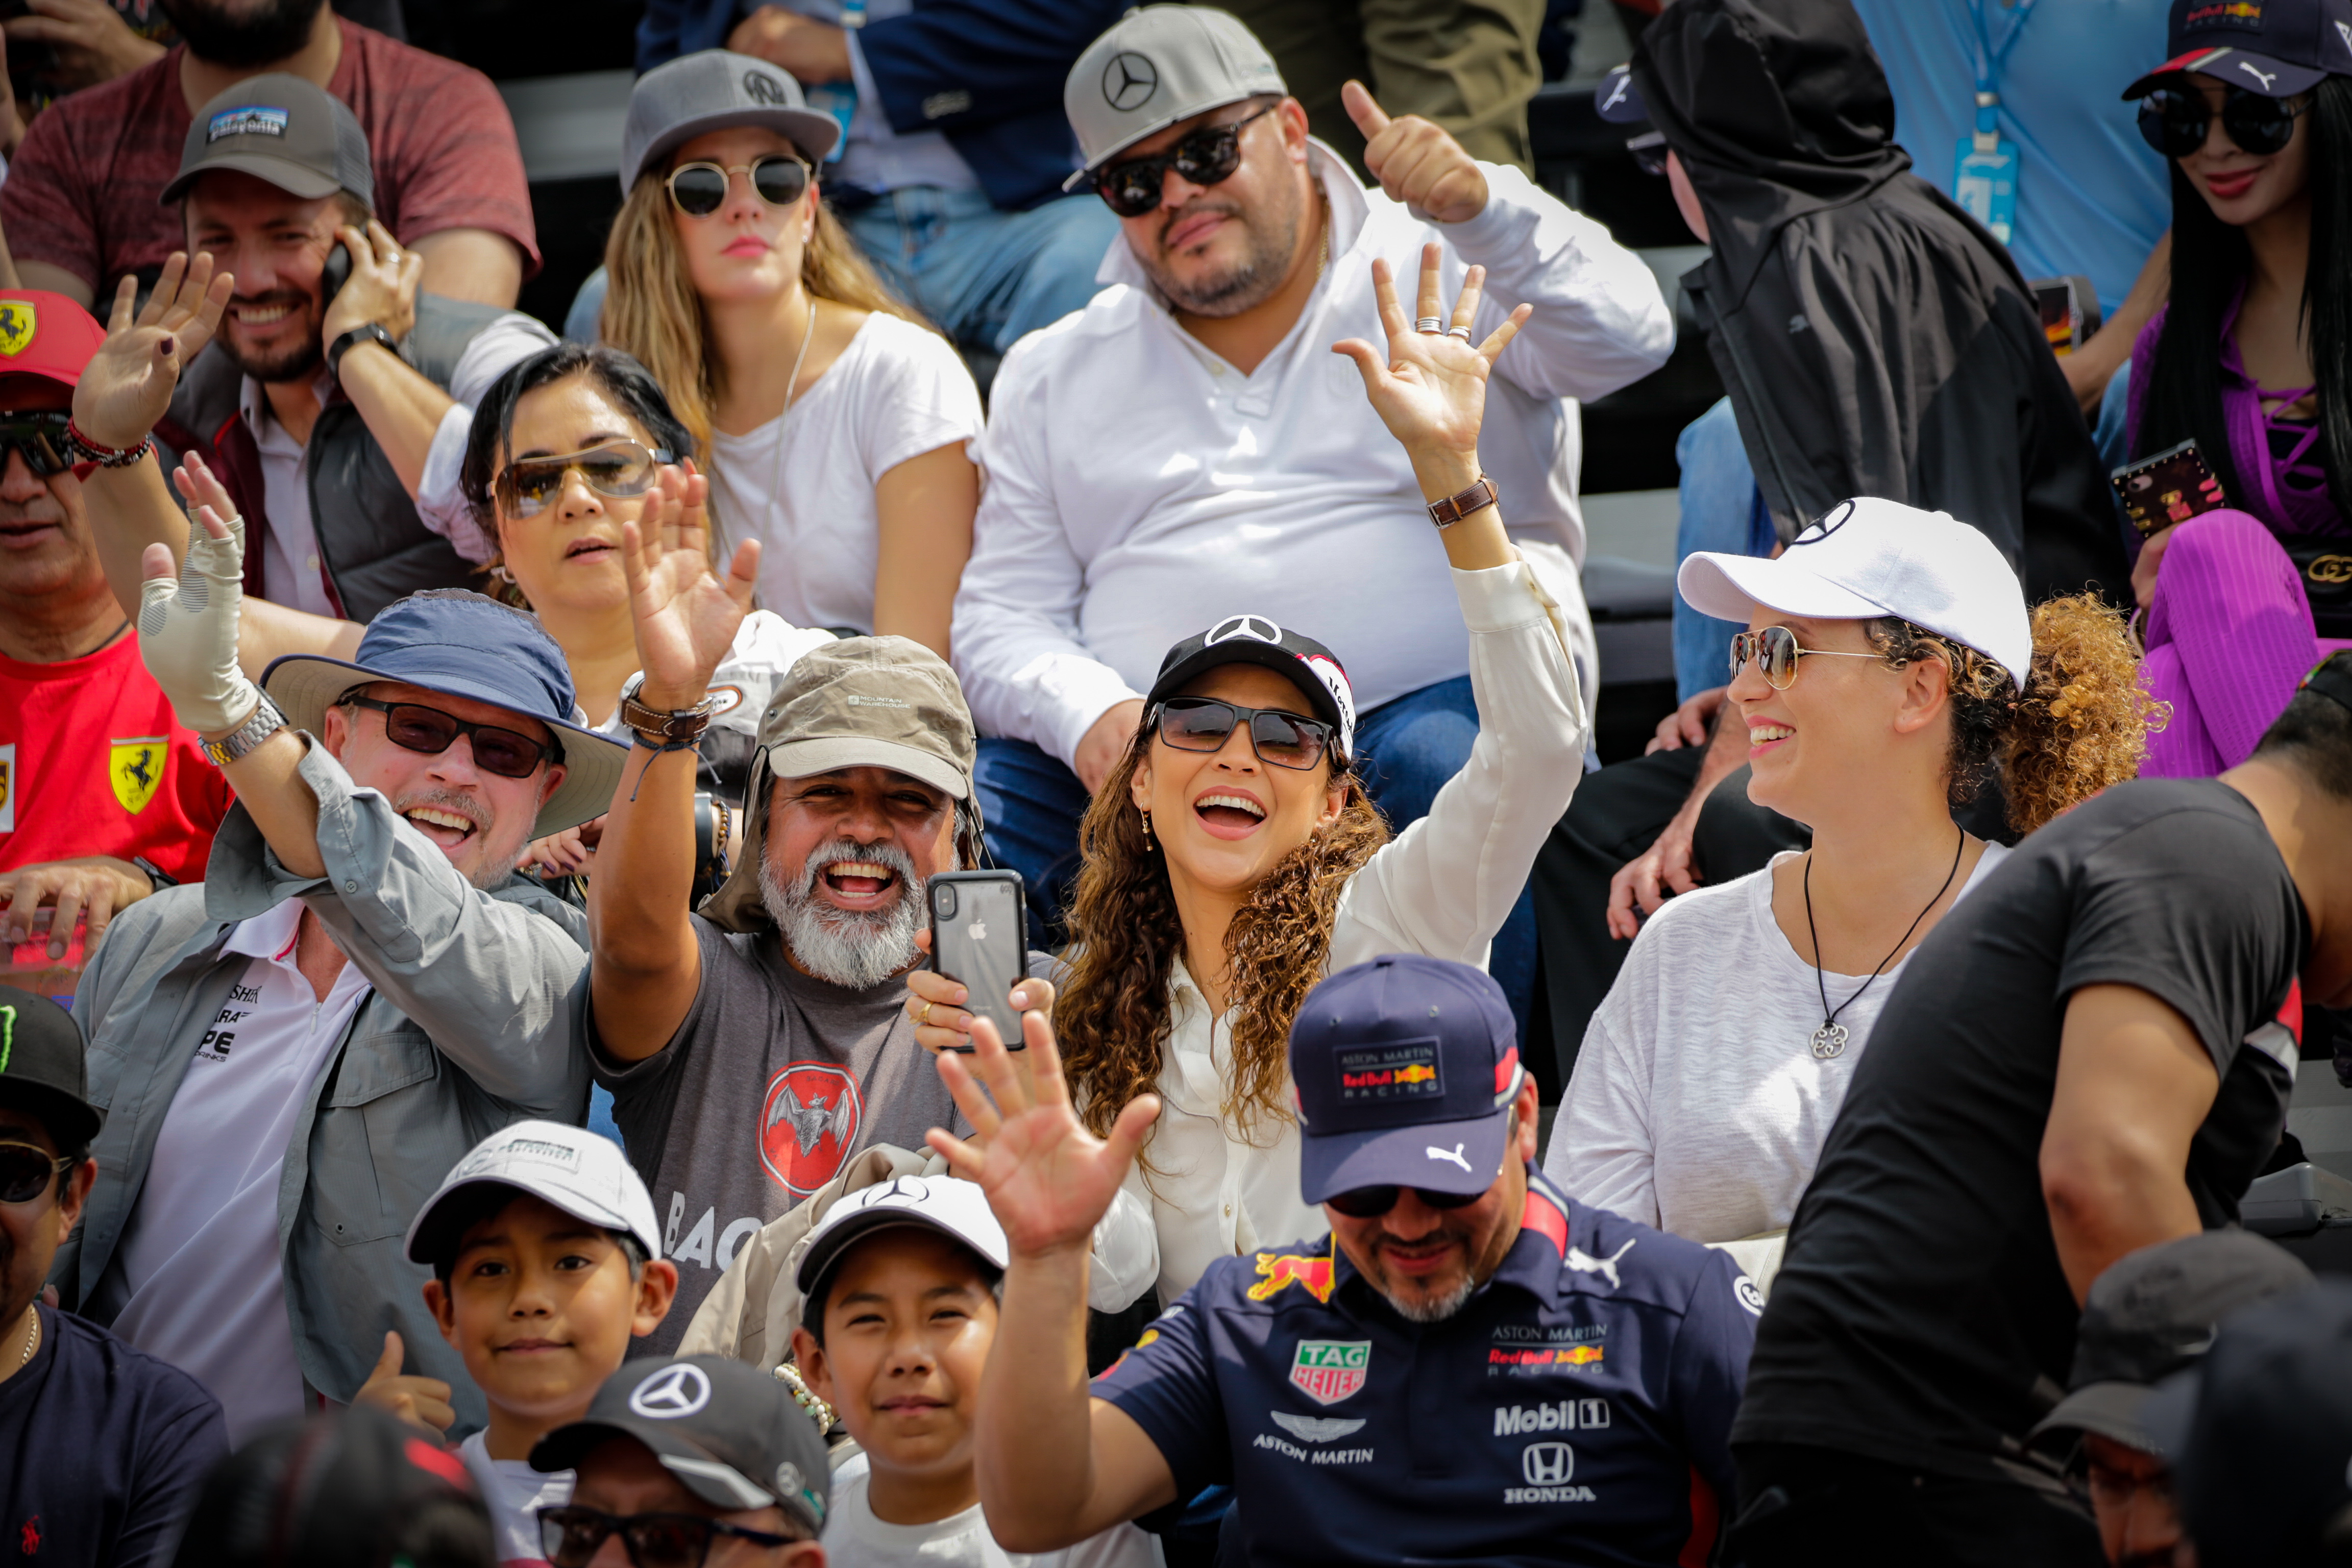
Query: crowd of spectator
pixel 482 806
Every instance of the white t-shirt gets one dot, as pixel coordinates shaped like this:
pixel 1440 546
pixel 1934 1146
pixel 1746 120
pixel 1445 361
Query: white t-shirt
pixel 803 484
pixel 1697 1104
pixel 514 1493
pixel 853 1538
pixel 202 1284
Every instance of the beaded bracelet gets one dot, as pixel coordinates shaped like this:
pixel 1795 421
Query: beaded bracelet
pixel 107 456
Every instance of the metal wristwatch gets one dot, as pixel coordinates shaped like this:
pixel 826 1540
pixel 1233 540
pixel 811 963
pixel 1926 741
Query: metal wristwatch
pixel 365 332
pixel 241 741
pixel 666 729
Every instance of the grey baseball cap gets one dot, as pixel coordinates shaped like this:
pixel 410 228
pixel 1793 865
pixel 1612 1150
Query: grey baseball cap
pixel 1158 65
pixel 718 90
pixel 279 128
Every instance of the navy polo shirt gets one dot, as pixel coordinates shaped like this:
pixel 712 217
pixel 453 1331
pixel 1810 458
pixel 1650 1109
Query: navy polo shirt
pixel 1578 1409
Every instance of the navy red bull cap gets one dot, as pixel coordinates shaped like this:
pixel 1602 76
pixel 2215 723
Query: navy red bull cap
pixel 2274 48
pixel 1405 1069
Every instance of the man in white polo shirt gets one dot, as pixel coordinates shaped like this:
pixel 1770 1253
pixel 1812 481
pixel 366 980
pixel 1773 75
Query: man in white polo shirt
pixel 1188 442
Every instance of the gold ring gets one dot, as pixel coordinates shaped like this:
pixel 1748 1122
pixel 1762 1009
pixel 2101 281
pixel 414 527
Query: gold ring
pixel 925 1015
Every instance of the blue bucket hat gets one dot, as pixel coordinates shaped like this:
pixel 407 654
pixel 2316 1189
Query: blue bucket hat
pixel 462 644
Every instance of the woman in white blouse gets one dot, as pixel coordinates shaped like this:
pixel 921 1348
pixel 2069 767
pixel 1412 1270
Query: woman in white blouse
pixel 1889 666
pixel 1232 859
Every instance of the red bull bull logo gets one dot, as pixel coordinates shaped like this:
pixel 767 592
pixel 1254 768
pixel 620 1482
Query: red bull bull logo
pixel 1328 1371
pixel 1277 1270
pixel 1562 1355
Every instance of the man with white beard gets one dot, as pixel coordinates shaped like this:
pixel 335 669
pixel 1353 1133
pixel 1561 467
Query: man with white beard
pixel 753 1046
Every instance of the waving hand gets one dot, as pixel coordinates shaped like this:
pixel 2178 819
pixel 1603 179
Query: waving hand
pixel 686 614
pixel 128 384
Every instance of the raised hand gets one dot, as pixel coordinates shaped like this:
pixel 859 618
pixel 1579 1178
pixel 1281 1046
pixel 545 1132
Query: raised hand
pixel 188 625
pixel 127 385
pixel 1048 1180
pixel 1430 388
pixel 686 614
pixel 1417 163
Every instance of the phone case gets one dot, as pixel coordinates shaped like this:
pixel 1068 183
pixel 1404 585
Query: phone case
pixel 2170 487
pixel 979 939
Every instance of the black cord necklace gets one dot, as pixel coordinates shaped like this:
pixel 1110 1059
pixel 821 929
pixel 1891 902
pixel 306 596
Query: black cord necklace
pixel 1829 1040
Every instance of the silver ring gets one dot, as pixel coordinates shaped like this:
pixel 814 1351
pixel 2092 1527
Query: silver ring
pixel 1433 325
pixel 1462 333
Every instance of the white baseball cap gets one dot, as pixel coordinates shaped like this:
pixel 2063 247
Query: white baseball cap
pixel 1868 557
pixel 1158 65
pixel 954 1207
pixel 582 1173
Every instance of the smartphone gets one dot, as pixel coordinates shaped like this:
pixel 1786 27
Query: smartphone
pixel 2172 486
pixel 335 273
pixel 2070 312
pixel 980 940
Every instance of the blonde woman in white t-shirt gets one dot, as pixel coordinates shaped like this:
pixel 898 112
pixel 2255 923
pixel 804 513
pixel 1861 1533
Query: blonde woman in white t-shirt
pixel 1889 664
pixel 830 418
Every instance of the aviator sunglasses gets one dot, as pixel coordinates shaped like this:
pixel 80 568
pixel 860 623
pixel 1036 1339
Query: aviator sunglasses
pixel 25 1170
pixel 617 468
pixel 1775 654
pixel 1205 157
pixel 413 727
pixel 572 1535
pixel 40 438
pixel 2175 119
pixel 699 189
pixel 1202 724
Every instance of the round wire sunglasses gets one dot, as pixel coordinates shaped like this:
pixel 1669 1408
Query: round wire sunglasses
pixel 698 189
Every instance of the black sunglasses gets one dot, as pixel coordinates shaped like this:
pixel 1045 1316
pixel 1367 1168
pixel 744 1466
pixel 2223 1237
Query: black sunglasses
pixel 416 727
pixel 40 436
pixel 1201 723
pixel 25 1170
pixel 700 189
pixel 571 1536
pixel 1205 157
pixel 2175 120
pixel 1370 1203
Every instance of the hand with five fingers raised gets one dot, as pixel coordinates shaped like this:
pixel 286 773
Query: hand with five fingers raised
pixel 127 385
pixel 686 614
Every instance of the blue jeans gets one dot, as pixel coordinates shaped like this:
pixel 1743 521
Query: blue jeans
pixel 1721 510
pixel 1406 750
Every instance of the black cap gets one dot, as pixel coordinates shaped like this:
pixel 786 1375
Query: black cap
pixel 41 1067
pixel 279 128
pixel 2152 1313
pixel 726 1429
pixel 1254 639
pixel 2260 1432
pixel 1617 100
pixel 2274 48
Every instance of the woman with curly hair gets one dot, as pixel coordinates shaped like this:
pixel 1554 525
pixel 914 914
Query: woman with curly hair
pixel 1232 859
pixel 1711 1072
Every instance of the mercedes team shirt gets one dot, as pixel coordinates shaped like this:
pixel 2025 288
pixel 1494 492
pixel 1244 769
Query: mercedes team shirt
pixel 1578 1409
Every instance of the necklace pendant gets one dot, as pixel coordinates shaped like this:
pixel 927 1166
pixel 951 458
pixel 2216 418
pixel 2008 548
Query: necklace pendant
pixel 1829 1041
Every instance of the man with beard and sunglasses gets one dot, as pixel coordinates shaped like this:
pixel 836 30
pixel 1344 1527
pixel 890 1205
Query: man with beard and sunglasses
pixel 80 201
pixel 1471 1366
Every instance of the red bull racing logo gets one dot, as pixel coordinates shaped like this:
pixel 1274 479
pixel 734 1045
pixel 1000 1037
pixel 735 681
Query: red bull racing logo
pixel 1328 1371
pixel 808 1125
pixel 1277 1270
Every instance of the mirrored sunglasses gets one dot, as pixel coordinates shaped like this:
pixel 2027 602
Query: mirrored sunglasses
pixel 1205 157
pixel 699 189
pixel 1775 654
pixel 40 438
pixel 1281 740
pixel 618 469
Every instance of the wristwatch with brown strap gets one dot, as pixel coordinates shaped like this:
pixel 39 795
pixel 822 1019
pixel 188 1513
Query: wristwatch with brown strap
pixel 1445 513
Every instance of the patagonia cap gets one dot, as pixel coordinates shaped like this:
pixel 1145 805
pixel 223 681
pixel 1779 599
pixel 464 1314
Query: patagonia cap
pixel 582 1173
pixel 718 90
pixel 1406 1068
pixel 466 645
pixel 1867 558
pixel 726 1429
pixel 42 1066
pixel 1257 640
pixel 47 335
pixel 2275 48
pixel 2152 1313
pixel 280 129
pixel 953 1207
pixel 1158 65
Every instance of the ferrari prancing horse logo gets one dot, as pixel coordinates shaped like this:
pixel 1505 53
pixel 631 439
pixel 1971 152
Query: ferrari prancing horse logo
pixel 18 322
pixel 135 768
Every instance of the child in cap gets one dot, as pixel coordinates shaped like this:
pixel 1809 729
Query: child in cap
pixel 546 1261
pixel 899 1285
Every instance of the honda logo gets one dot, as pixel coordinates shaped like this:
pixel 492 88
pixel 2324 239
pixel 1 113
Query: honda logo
pixel 1548 1464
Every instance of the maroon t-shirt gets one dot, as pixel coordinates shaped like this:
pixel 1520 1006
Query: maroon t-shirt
pixel 81 191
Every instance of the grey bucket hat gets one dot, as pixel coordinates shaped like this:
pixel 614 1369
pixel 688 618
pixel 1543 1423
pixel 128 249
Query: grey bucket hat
pixel 718 90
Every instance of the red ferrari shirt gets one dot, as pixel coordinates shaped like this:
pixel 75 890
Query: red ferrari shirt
pixel 92 762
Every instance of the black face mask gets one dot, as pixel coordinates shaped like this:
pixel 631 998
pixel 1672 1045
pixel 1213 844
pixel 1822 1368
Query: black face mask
pixel 269 32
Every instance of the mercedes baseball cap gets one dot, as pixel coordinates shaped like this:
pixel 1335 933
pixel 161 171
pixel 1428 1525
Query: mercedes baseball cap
pixel 1867 558
pixel 280 129
pixel 1158 65
pixel 726 1429
pixel 1617 100
pixel 953 1207
pixel 1257 640
pixel 2152 1313
pixel 582 1173
pixel 718 90
pixel 1405 1069
pixel 47 335
pixel 42 1066
pixel 2258 1433
pixel 2274 48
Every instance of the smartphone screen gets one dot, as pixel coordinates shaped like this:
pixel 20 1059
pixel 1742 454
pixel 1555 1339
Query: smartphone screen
pixel 2062 315
pixel 979 939
pixel 2170 487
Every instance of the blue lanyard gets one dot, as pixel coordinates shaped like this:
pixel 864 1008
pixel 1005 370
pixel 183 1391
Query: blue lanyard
pixel 1993 58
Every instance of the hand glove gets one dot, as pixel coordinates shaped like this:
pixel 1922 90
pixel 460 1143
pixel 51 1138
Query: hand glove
pixel 187 634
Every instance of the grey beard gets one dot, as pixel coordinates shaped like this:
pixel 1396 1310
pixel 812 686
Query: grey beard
pixel 857 952
pixel 1438 1310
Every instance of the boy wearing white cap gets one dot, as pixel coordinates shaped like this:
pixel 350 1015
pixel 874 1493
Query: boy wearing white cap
pixel 546 1261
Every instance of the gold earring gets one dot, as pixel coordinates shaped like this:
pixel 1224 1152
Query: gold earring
pixel 1147 832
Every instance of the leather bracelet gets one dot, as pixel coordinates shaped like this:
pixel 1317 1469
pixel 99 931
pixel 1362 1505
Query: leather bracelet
pixel 106 456
pixel 1445 513
pixel 365 332
pixel 665 729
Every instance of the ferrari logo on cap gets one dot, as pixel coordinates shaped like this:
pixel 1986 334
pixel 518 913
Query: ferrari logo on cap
pixel 19 321
pixel 135 769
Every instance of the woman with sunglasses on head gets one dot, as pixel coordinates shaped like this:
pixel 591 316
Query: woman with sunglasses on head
pixel 1232 859
pixel 2251 358
pixel 1889 671
pixel 830 419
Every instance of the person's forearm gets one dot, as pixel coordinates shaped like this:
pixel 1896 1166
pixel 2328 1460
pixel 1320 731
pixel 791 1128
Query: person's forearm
pixel 1478 542
pixel 2101 1209
pixel 269 786
pixel 402 409
pixel 2093 364
pixel 638 909
pixel 1035 1432
pixel 130 509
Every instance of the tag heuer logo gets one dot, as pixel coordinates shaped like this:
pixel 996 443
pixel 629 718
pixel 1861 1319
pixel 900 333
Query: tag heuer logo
pixel 1328 1371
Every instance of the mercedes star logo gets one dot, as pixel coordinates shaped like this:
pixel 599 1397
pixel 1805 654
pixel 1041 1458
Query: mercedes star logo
pixel 1257 629
pixel 1130 80
pixel 1828 523
pixel 672 1393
